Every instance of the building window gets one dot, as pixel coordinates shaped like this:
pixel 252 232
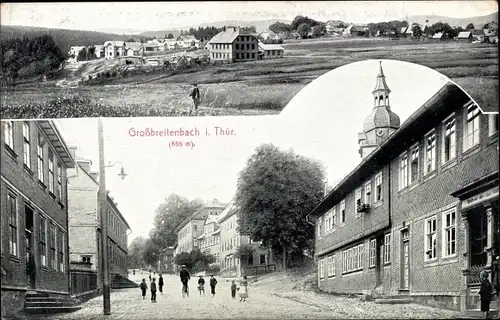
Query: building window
pixel 59 182
pixel 430 239
pixel 43 241
pixel 368 192
pixel 345 261
pixel 331 266
pixel 414 165
pixel 360 257
pixel 41 172
pixel 262 259
pixel 372 253
pixel 86 259
pixel 449 143
pixel 493 124
pixel 357 201
pixel 387 248
pixel 52 257
pixel 430 152
pixel 449 233
pixel 472 127
pixel 9 134
pixel 403 172
pixel 51 172
pixel 378 187
pixel 342 211
pixel 12 207
pixel 26 145
pixel 319 223
pixel 60 247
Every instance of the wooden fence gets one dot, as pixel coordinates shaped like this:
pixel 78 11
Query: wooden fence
pixel 257 270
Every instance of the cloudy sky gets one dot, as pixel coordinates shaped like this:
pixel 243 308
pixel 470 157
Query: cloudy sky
pixel 322 122
pixel 164 15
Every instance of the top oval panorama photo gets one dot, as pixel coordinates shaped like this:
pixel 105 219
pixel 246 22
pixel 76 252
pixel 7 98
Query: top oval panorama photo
pixel 72 60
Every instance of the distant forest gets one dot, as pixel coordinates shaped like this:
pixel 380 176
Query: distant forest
pixel 64 38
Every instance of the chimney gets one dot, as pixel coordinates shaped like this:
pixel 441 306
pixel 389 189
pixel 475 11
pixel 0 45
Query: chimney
pixel 94 175
pixel 84 164
pixel 234 29
pixel 72 151
pixel 224 29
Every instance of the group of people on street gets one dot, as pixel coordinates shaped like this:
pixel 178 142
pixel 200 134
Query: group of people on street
pixel 185 277
pixel 144 287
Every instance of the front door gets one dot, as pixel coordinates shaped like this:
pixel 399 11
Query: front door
pixel 405 260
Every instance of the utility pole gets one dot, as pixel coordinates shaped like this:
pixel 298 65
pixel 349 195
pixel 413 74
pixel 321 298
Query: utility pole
pixel 103 206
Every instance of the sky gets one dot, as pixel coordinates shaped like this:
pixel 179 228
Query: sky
pixel 321 122
pixel 150 16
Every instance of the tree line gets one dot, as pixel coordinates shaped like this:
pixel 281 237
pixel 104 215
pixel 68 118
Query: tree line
pixel 30 56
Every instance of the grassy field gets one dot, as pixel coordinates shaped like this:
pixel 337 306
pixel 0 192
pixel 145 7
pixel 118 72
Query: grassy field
pixel 261 87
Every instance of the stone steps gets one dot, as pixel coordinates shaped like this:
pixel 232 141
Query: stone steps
pixel 44 303
pixel 393 299
pixel 51 310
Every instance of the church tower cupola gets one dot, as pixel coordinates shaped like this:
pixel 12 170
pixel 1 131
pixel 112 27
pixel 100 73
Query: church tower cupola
pixel 381 122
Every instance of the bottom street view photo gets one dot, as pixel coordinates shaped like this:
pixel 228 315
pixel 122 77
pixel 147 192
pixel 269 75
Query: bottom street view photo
pixel 372 195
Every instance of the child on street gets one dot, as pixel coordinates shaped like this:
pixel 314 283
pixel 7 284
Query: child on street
pixel 213 283
pixel 233 289
pixel 143 287
pixel 201 285
pixel 486 293
pixel 153 290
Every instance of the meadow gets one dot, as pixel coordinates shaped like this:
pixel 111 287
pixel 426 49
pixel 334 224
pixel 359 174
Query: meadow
pixel 254 88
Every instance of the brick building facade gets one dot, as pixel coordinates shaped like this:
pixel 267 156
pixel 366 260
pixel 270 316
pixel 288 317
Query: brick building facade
pixel 418 217
pixel 84 222
pixel 34 211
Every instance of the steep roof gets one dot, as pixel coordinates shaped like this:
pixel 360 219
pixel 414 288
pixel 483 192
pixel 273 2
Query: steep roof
pixel 464 34
pixel 187 37
pixel 115 43
pixel 133 45
pixel 265 46
pixel 230 210
pixel 438 35
pixel 227 36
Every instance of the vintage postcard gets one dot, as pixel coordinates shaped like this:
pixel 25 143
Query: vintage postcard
pixel 63 60
pixel 250 160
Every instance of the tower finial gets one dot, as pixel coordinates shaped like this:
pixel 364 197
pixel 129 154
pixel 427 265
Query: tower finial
pixel 381 71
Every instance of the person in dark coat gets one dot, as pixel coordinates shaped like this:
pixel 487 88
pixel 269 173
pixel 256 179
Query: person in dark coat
pixel 143 287
pixel 233 289
pixel 486 293
pixel 160 284
pixel 153 290
pixel 195 94
pixel 201 285
pixel 213 283
pixel 185 277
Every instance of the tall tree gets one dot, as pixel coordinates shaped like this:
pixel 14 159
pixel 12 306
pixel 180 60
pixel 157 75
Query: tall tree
pixel 170 36
pixel 417 30
pixel 168 216
pixel 276 190
pixel 136 253
pixel 151 253
pixel 303 30
pixel 470 26
pixel 280 27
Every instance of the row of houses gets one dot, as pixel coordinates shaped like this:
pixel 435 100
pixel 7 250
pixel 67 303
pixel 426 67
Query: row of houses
pixel 213 229
pixel 114 49
pixel 50 226
pixel 418 218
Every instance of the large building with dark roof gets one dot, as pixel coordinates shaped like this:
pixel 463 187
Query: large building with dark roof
pixel 232 45
pixel 418 218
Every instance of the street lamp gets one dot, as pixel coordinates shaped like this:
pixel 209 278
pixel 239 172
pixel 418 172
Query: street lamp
pixel 104 265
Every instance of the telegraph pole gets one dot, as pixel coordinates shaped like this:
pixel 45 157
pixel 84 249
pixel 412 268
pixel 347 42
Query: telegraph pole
pixel 103 206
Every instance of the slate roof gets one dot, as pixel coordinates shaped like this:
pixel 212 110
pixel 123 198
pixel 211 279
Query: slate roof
pixel 464 35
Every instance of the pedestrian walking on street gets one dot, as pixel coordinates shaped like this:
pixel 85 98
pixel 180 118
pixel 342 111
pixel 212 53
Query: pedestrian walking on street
pixel 160 284
pixel 486 293
pixel 233 289
pixel 153 290
pixel 213 283
pixel 143 287
pixel 195 94
pixel 201 285
pixel 243 289
pixel 185 277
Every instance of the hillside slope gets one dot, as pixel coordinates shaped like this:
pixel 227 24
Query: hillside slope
pixel 477 21
pixel 64 38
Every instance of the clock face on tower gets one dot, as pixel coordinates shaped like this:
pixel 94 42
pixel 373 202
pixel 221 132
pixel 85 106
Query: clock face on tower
pixel 380 132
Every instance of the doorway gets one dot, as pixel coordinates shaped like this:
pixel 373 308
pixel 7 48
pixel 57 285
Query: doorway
pixel 30 257
pixel 405 260
pixel 478 237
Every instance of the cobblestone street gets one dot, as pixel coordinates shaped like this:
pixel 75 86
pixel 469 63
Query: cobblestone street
pixel 262 304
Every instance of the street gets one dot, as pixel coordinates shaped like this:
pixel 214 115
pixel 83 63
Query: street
pixel 261 304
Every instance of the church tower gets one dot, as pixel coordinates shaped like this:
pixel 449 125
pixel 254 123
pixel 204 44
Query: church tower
pixel 381 122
